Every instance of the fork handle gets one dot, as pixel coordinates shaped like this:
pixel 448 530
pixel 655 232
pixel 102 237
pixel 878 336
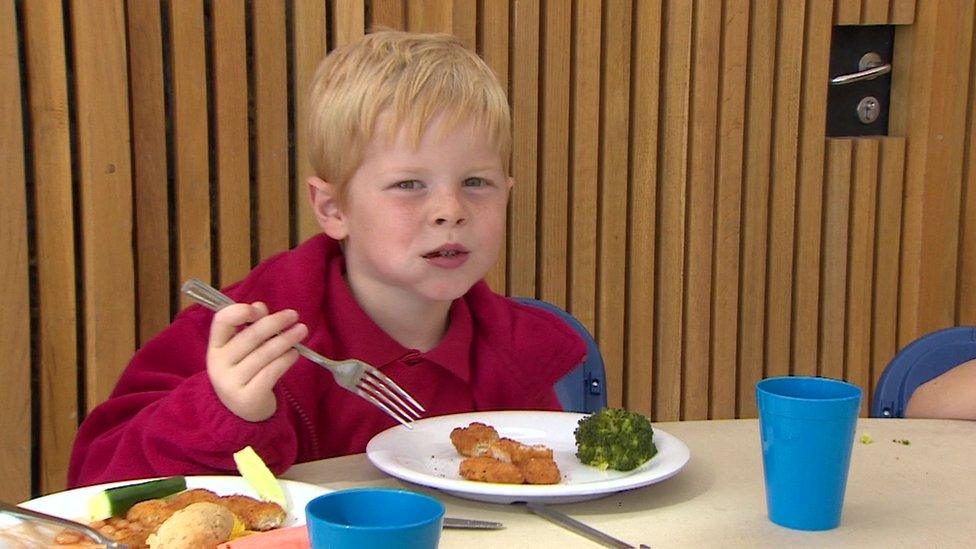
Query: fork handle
pixel 215 300
pixel 206 295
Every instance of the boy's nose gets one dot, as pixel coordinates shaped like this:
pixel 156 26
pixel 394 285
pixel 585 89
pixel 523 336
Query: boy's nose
pixel 448 210
pixel 444 221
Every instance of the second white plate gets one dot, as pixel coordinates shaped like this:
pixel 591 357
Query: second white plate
pixel 425 456
pixel 73 504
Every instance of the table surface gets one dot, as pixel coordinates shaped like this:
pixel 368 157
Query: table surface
pixel 921 494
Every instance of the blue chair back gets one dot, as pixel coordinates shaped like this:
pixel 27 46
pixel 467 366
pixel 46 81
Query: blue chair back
pixel 583 389
pixel 924 359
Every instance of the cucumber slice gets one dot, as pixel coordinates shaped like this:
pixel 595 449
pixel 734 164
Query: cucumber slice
pixel 257 474
pixel 116 502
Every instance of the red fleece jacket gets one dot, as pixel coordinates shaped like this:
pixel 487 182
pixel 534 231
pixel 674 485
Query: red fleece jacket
pixel 164 417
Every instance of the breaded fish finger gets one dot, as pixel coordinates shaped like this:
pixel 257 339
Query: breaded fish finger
pixel 486 469
pixel 513 451
pixel 473 440
pixel 540 471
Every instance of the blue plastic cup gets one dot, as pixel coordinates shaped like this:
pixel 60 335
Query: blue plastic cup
pixel 806 425
pixel 374 517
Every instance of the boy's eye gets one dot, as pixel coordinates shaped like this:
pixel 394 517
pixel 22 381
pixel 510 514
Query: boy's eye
pixel 407 185
pixel 475 182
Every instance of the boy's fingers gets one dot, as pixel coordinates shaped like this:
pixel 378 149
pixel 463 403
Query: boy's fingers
pixel 254 336
pixel 227 320
pixel 266 378
pixel 269 351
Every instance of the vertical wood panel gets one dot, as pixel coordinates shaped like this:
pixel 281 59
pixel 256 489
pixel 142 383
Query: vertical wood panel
pixel 834 277
pixel 762 45
pixel 271 127
pixel 15 452
pixel 703 122
pixel 874 12
pixel 554 151
pixel 613 195
pixel 645 66
pixel 54 234
pixel 903 91
pixel 308 48
pixel 493 47
pixel 149 169
pixel 847 12
pixel 349 21
pixel 105 185
pixel 676 71
pixel 191 162
pixel 584 167
pixel 388 13
pixel 525 117
pixel 809 194
pixel 782 189
pixel 231 147
pixel 861 265
pixel 966 306
pixel 901 12
pixel 728 207
pixel 465 21
pixel 430 16
pixel 884 342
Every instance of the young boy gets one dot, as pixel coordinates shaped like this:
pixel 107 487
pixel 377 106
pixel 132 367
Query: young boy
pixel 410 136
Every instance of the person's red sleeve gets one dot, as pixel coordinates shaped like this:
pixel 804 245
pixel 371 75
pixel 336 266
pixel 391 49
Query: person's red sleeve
pixel 164 418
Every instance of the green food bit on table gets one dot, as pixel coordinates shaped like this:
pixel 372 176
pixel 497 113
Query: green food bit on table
pixel 615 439
pixel 904 441
pixel 866 439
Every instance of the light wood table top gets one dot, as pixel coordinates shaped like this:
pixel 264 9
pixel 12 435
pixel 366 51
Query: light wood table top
pixel 921 494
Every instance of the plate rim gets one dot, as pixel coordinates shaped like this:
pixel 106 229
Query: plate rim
pixel 298 511
pixel 678 452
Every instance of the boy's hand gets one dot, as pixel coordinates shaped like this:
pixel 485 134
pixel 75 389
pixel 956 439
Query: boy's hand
pixel 244 364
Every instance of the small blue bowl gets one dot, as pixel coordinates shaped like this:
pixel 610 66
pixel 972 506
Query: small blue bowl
pixel 374 517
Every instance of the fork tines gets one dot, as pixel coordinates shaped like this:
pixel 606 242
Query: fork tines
pixel 383 392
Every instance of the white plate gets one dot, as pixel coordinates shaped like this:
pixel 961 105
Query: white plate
pixel 73 504
pixel 426 456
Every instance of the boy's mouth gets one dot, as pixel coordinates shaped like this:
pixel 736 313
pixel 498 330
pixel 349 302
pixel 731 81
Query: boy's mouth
pixel 446 251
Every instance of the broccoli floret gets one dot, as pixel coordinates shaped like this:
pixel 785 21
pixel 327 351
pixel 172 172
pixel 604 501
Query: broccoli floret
pixel 615 439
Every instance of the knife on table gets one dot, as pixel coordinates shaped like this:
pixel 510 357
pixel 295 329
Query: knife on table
pixel 570 523
pixel 470 524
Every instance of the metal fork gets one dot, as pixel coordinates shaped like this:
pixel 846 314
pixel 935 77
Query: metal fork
pixel 353 375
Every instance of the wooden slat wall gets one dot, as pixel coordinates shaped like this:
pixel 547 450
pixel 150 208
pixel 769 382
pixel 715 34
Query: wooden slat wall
pixel 56 337
pixel 229 142
pixel 15 452
pixel 149 167
pixel 641 207
pixel 674 189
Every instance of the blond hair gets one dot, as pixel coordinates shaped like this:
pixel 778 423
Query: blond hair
pixel 413 78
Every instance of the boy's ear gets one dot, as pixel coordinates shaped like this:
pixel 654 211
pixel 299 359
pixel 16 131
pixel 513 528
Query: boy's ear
pixel 511 182
pixel 324 199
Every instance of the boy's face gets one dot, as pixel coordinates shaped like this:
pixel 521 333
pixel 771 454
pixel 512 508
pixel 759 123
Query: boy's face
pixel 419 224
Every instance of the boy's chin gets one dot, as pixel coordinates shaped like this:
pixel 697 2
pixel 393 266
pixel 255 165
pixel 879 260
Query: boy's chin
pixel 445 292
